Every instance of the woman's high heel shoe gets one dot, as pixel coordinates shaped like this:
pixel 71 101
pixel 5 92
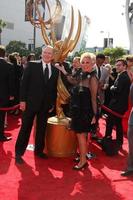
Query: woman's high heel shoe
pixel 89 156
pixel 82 167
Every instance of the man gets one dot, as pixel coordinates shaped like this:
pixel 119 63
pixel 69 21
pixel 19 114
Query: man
pixel 6 89
pixel 119 101
pixel 37 98
pixel 103 76
pixel 76 68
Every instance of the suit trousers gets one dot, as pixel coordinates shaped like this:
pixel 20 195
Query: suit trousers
pixel 2 121
pixel 25 131
pixel 117 122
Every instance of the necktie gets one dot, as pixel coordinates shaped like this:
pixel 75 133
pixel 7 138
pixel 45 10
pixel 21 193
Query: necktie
pixel 99 72
pixel 46 74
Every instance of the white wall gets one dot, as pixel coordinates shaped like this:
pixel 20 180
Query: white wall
pixel 13 11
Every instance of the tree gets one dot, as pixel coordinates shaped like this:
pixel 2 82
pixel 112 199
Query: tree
pixel 2 25
pixel 114 53
pixel 17 46
pixel 38 52
pixel 20 47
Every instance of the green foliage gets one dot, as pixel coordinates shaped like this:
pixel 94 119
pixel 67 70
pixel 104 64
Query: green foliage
pixel 17 46
pixel 20 47
pixel 38 52
pixel 2 25
pixel 114 53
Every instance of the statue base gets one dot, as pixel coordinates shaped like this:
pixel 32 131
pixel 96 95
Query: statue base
pixel 61 141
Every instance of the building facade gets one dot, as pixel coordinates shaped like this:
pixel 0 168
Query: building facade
pixel 13 13
pixel 129 20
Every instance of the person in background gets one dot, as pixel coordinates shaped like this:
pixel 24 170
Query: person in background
pixel 37 98
pixel 119 101
pixel 111 80
pixel 107 60
pixel 18 70
pixel 129 60
pixel 102 75
pixel 23 62
pixel 6 89
pixel 76 68
pixel 18 57
pixel 129 169
pixel 31 57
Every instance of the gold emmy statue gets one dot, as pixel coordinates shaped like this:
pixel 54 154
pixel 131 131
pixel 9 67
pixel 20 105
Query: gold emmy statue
pixel 60 140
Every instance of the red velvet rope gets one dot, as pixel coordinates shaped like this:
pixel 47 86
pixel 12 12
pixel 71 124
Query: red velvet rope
pixel 10 108
pixel 102 106
pixel 111 111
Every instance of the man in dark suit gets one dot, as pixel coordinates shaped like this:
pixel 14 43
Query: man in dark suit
pixel 6 89
pixel 119 101
pixel 102 75
pixel 37 98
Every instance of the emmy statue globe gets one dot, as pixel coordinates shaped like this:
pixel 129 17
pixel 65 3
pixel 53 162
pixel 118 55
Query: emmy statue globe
pixel 60 139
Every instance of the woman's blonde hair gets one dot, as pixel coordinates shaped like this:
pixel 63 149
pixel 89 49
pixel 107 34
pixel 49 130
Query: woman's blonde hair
pixel 88 55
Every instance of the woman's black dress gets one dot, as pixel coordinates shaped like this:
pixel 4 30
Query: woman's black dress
pixel 81 109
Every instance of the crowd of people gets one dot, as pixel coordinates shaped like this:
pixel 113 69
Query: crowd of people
pixel 91 81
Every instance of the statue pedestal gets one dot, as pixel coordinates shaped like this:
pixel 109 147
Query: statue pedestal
pixel 60 140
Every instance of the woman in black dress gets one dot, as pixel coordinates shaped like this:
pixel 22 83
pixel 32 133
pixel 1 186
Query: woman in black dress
pixel 83 104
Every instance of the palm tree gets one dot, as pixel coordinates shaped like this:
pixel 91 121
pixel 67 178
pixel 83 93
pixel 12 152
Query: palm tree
pixel 2 25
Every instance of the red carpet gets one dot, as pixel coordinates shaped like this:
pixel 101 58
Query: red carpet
pixel 54 179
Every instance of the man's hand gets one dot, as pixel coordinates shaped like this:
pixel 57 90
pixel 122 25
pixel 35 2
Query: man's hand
pixel 22 105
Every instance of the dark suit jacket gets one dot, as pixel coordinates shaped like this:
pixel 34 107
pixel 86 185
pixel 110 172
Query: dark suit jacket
pixel 33 89
pixel 6 82
pixel 120 93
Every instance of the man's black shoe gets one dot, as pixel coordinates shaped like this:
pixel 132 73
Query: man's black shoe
pixel 127 173
pixel 41 155
pixel 19 160
pixel 100 140
pixel 5 139
pixel 94 136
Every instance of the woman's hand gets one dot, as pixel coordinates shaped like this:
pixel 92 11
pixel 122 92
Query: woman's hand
pixel 61 68
pixel 51 109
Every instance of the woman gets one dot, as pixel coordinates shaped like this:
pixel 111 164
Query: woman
pixel 83 104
